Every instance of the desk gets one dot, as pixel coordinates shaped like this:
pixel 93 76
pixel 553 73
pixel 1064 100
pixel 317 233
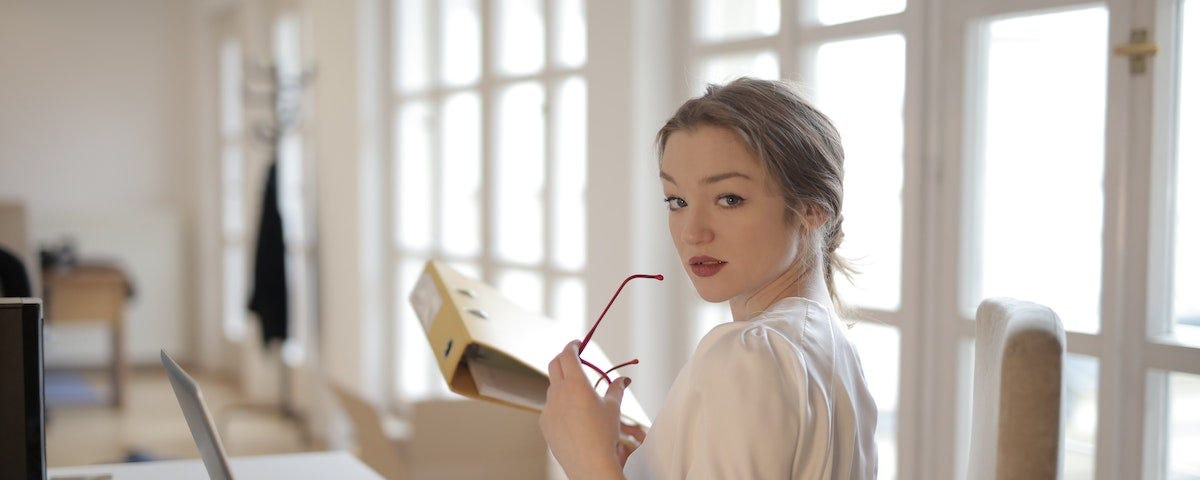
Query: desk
pixel 299 466
pixel 90 293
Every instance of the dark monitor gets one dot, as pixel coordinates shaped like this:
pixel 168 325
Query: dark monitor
pixel 22 420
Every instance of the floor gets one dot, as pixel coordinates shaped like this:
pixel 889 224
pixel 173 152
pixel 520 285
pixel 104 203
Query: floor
pixel 152 426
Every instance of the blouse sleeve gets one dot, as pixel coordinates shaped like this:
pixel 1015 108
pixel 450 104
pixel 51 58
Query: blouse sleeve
pixel 752 407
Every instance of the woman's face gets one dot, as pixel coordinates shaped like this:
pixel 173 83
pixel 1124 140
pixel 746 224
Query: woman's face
pixel 728 221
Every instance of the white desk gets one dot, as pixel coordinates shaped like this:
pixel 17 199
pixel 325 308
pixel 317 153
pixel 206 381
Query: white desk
pixel 299 466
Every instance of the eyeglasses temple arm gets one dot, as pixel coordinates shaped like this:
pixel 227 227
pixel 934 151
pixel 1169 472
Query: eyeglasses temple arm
pixel 588 338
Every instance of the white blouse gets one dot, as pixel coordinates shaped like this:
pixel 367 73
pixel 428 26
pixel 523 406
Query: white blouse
pixel 781 395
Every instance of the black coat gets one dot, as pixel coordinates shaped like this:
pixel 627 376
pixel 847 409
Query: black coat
pixel 270 295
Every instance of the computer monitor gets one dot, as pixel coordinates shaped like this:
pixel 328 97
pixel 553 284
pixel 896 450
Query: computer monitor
pixel 22 418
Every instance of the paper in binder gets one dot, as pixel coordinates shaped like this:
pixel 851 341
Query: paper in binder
pixel 489 348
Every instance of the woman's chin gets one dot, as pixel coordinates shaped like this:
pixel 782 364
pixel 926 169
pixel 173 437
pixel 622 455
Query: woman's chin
pixel 710 295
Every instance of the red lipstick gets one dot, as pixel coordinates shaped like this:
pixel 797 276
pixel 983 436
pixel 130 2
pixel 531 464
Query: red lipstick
pixel 705 266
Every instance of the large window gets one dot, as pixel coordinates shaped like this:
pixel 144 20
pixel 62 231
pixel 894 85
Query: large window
pixel 853 64
pixel 992 149
pixel 233 190
pixel 1004 150
pixel 489 163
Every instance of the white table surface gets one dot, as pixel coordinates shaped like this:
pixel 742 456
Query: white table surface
pixel 299 466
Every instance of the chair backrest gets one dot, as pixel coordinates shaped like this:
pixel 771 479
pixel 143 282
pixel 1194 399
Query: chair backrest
pixel 1016 429
pixel 375 447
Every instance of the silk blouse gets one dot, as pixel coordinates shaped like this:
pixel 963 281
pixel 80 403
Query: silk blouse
pixel 781 395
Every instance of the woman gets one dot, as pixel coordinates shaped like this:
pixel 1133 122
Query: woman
pixel 752 176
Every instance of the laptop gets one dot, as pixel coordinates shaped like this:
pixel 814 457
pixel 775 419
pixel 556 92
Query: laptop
pixel 199 421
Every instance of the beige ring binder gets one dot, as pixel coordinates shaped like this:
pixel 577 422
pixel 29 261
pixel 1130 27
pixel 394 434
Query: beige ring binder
pixel 489 348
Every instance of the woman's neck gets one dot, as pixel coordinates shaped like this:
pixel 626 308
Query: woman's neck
pixel 795 281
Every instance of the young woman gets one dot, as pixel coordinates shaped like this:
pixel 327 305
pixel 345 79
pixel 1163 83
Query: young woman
pixel 752 176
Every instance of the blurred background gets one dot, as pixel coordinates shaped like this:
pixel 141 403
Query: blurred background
pixel 1019 149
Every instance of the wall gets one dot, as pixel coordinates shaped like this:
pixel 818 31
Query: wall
pixel 96 138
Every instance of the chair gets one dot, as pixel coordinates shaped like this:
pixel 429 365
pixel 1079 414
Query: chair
pixel 1016 428
pixel 376 448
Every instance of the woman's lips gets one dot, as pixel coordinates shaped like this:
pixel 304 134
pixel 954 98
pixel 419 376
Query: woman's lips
pixel 705 266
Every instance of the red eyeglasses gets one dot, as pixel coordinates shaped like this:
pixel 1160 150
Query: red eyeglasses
pixel 586 339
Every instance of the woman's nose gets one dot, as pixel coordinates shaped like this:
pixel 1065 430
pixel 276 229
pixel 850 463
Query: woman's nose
pixel 697 229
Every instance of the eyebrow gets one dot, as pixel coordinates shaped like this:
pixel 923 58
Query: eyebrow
pixel 710 180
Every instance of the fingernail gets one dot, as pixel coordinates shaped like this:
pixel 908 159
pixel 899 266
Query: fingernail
pixel 628 381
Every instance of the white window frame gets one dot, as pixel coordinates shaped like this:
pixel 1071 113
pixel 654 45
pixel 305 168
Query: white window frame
pixel 490 84
pixel 932 327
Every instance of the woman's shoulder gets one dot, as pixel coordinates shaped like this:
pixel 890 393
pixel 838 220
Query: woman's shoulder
pixel 793 334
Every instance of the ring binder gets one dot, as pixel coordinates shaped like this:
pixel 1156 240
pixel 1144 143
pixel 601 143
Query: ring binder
pixel 489 348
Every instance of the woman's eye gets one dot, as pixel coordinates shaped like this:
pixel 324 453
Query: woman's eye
pixel 730 200
pixel 675 203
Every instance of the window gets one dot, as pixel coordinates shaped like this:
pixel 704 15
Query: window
pixel 1057 129
pixel 232 187
pixel 1002 150
pixel 857 75
pixel 489 158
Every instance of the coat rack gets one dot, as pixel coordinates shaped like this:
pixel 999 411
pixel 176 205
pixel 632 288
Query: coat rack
pixel 281 95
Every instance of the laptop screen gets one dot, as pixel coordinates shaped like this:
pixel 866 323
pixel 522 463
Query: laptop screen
pixel 22 451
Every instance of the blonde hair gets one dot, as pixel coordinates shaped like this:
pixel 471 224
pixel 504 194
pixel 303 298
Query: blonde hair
pixel 800 150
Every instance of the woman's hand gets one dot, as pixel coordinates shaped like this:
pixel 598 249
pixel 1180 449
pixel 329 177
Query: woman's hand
pixel 632 438
pixel 581 427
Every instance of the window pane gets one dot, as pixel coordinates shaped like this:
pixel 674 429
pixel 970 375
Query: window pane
pixel 520 174
pixel 469 269
pixel 231 89
pixel 1184 440
pixel 234 282
pixel 725 68
pixel 572 34
pixel 879 351
pixel 461 185
pixel 522 287
pixel 1187 176
pixel 289 174
pixel 719 20
pixel 860 85
pixel 1042 153
pixel 1080 377
pixel 840 11
pixel 460 41
pixel 569 305
pixel 414 177
pixel 285 46
pixel 411 45
pixel 522 42
pixel 233 222
pixel 570 161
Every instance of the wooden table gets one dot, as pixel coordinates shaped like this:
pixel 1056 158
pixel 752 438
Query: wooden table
pixel 88 293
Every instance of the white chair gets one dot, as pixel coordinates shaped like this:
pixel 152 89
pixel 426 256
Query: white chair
pixel 1016 430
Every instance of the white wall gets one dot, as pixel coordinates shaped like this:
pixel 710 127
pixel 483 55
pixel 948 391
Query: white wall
pixel 97 139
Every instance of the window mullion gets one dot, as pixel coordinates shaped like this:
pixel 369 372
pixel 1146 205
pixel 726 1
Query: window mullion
pixel 488 98
pixel 550 160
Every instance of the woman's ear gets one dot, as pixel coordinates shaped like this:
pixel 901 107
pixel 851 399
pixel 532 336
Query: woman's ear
pixel 813 217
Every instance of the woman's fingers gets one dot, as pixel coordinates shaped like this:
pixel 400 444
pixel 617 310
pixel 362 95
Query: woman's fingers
pixel 568 362
pixel 616 390
pixel 635 431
